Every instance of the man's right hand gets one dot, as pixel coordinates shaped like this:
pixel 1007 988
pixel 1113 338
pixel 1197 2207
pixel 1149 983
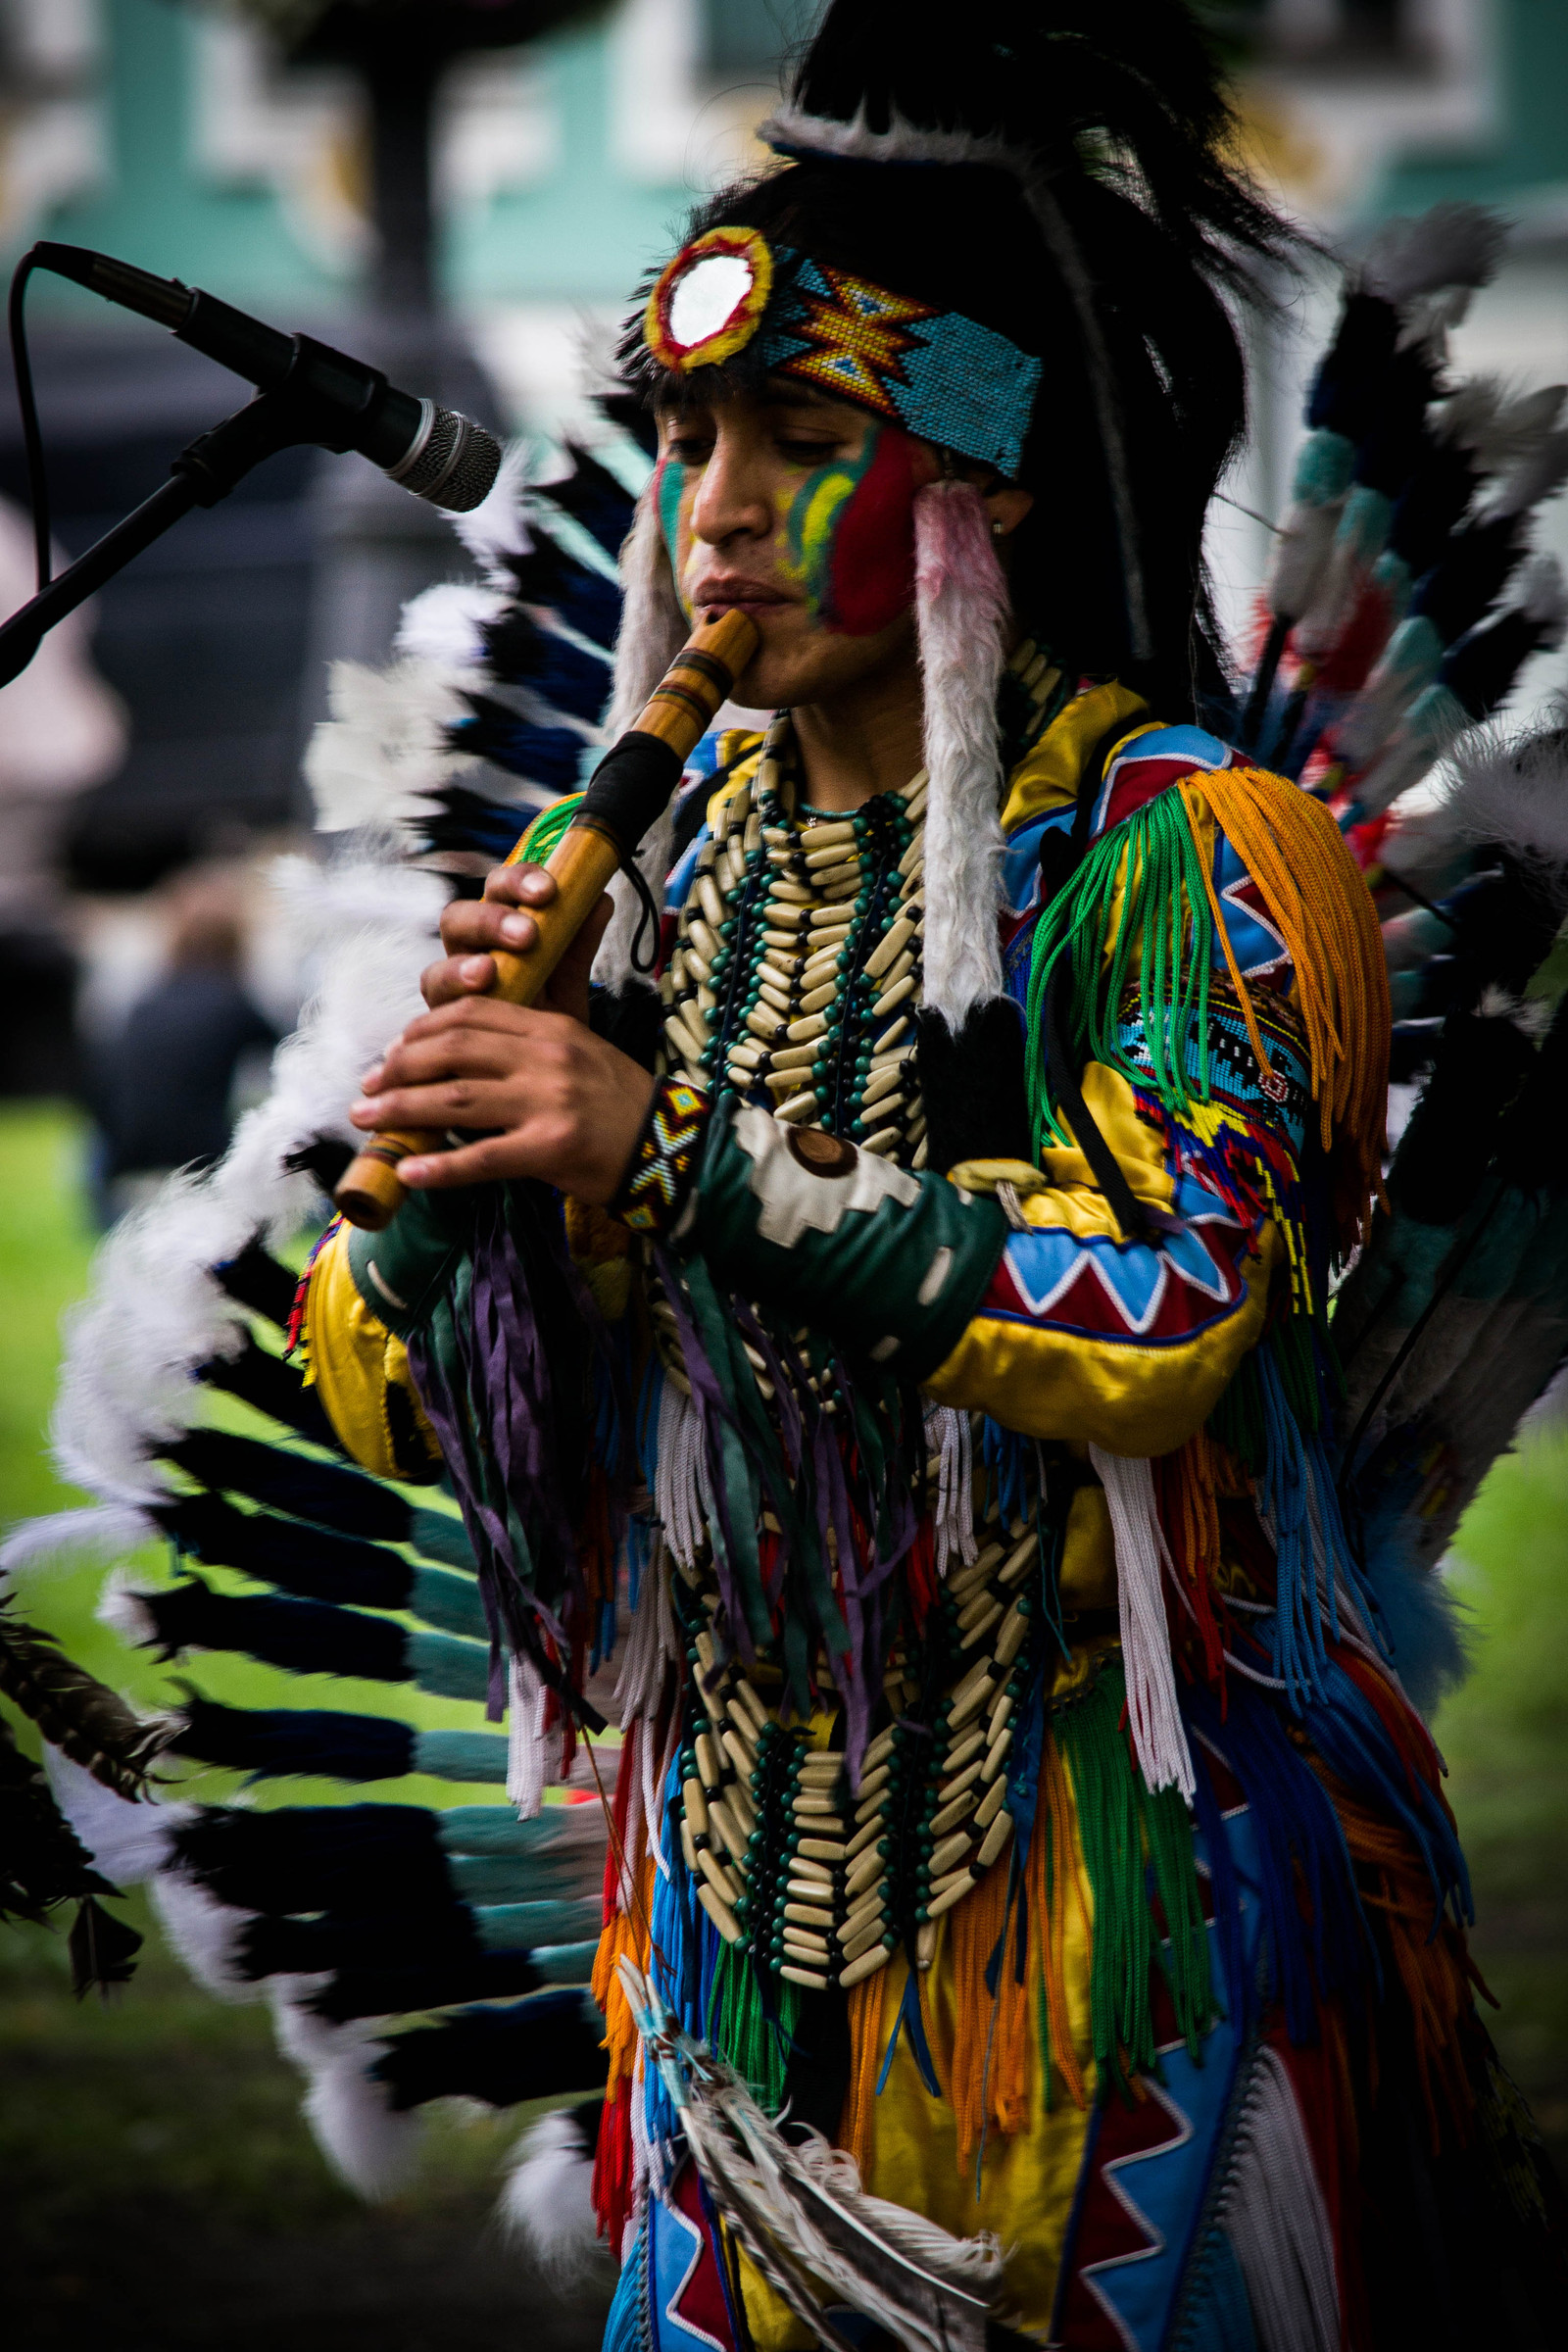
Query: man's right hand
pixel 470 928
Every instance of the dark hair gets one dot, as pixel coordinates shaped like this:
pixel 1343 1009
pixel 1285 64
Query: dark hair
pixel 1115 107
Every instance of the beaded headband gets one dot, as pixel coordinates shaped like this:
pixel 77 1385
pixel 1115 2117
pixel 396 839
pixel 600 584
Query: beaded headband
pixel 936 373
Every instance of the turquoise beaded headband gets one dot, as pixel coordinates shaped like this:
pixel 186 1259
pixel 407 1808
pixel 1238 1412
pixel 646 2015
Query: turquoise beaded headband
pixel 936 373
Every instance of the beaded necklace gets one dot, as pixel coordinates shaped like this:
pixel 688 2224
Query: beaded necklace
pixel 796 966
pixel 793 981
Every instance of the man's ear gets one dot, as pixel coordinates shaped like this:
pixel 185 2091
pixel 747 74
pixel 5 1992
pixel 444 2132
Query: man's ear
pixel 1007 505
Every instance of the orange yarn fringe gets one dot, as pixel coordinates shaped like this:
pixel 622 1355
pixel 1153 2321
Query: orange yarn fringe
pixel 1317 895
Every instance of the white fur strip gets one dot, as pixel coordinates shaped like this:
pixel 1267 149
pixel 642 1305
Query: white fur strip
pixel 1158 1735
pixel 961 610
pixel 653 630
pixel 1274 2214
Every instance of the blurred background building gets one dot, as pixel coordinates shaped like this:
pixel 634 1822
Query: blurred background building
pixel 274 152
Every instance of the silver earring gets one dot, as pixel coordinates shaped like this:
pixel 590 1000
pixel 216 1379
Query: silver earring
pixel 995 529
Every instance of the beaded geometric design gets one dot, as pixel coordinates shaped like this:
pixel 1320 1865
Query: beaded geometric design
pixel 938 373
pixel 941 376
pixel 663 1166
pixel 1236 1079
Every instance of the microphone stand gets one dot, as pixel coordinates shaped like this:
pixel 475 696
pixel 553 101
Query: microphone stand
pixel 205 472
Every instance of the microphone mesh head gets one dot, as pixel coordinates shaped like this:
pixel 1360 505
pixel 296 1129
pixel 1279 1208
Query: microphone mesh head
pixel 457 464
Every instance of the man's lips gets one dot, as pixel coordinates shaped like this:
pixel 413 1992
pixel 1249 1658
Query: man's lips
pixel 732 594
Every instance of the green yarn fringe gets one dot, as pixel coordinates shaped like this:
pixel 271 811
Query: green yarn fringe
pixel 757 2047
pixel 1131 1834
pixel 1166 921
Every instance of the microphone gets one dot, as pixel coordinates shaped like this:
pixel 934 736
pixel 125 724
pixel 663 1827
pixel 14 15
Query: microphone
pixel 438 454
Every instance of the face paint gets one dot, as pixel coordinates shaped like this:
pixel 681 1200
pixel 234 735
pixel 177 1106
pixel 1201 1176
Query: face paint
pixel 670 488
pixel 844 541
pixel 849 535
pixel 872 579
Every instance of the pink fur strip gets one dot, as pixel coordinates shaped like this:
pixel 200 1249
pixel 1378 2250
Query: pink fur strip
pixel 964 617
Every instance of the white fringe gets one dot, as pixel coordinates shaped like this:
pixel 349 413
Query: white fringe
pixel 533 1756
pixel 653 630
pixel 1274 2212
pixel 547 2203
pixel 949 1437
pixel 678 1484
pixel 1158 1735
pixel 961 614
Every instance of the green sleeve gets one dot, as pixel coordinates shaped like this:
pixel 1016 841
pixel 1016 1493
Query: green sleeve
pixel 892 1265
pixel 402 1272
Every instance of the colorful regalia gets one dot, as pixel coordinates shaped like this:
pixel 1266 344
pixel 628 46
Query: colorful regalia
pixel 1023 1899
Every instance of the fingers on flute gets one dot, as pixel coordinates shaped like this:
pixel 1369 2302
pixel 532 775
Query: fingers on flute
pixel 487 1161
pixel 454 978
pixel 501 918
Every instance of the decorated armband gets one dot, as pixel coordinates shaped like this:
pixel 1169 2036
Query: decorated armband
pixel 891 1263
pixel 656 1192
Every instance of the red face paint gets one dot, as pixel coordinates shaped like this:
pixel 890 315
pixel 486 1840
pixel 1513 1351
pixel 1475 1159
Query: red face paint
pixel 871 579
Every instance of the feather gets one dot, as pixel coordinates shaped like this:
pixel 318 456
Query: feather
pixel 370 2147
pixel 384 745
pixel 445 625
pixel 496 532
pixel 100 1531
pixel 74 1711
pixel 799 2209
pixel 1498 786
pixel 546 2204
pixel 128 1838
pixel 1451 245
pixel 207 1935
pixel 155 1313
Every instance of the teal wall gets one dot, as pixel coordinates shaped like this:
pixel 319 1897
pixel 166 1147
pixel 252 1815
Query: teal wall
pixel 157 208
pixel 586 231
pixel 1526 161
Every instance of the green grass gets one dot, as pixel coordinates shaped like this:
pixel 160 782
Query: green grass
pixel 1505 1737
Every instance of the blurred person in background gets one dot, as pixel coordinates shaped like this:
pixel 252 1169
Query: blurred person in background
pixel 165 1085
pixel 60 732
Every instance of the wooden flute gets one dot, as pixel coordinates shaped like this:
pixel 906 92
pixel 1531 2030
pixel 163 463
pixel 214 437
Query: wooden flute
pixel 629 789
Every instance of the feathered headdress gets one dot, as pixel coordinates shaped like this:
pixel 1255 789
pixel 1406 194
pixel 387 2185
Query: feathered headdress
pixel 1042 201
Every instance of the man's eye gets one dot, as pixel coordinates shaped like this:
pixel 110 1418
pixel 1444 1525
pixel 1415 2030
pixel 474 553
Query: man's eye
pixel 807 453
pixel 691 449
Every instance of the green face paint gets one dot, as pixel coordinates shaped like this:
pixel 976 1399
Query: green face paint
pixel 669 487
